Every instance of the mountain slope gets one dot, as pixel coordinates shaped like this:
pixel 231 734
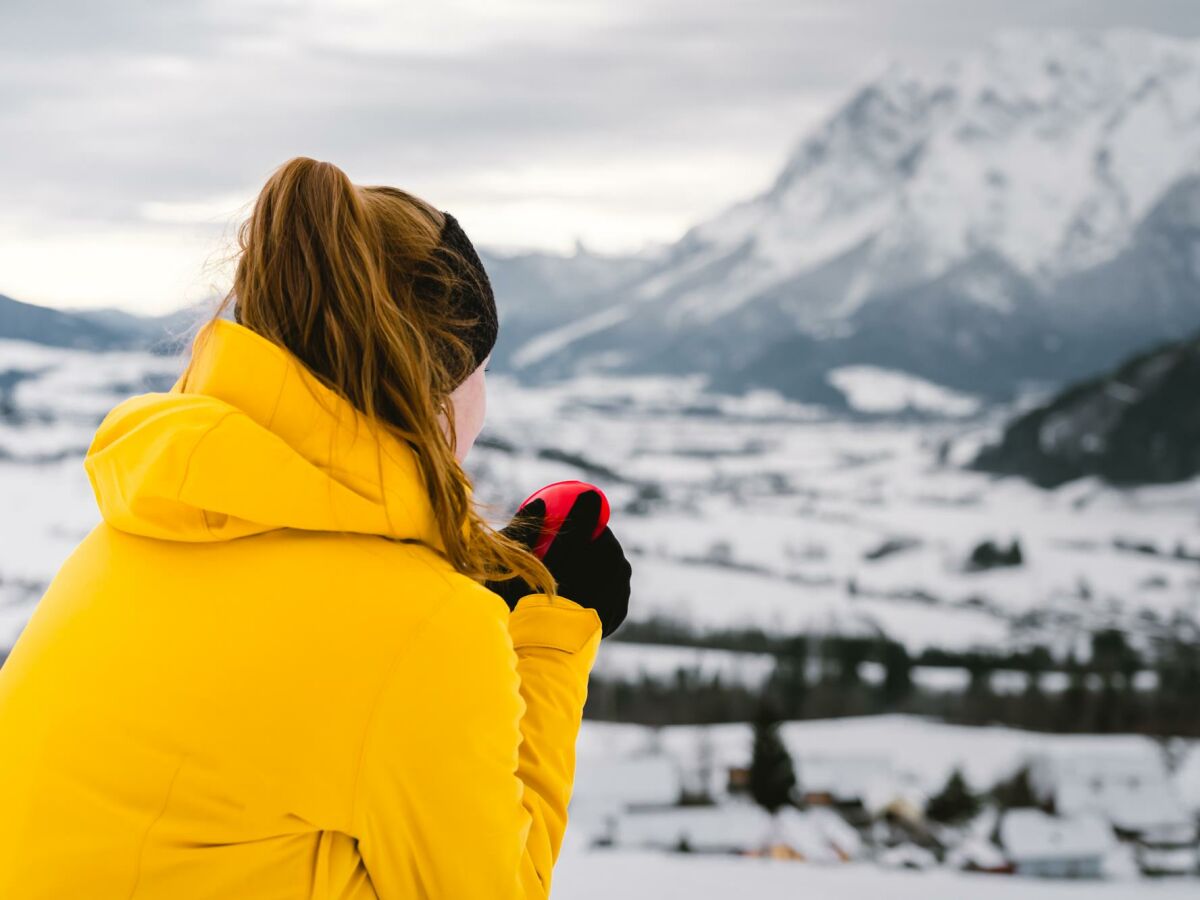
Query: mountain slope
pixel 982 225
pixel 166 333
pixel 1139 424
pixel 27 322
pixel 538 292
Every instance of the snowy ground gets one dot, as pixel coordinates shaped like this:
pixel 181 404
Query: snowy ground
pixel 760 512
pixel 633 875
pixel 889 757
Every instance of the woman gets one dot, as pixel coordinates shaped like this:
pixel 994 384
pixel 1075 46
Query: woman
pixel 284 665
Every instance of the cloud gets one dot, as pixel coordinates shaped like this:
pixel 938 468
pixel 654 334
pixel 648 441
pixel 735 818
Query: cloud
pixel 537 121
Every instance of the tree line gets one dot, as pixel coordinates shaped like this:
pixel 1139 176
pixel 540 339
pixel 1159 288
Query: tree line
pixel 822 677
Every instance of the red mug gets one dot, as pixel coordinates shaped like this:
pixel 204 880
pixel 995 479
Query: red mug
pixel 559 498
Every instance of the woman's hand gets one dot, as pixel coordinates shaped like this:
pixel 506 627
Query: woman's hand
pixel 592 573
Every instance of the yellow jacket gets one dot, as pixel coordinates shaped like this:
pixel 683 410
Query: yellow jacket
pixel 237 686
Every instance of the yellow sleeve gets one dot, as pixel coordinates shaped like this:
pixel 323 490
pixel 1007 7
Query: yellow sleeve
pixel 469 759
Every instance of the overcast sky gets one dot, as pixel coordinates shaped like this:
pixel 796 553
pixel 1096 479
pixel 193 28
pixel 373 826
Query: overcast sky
pixel 134 133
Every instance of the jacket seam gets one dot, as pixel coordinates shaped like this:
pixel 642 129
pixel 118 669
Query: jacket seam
pixel 187 466
pixel 137 875
pixel 278 396
pixel 448 600
pixel 531 637
pixel 543 645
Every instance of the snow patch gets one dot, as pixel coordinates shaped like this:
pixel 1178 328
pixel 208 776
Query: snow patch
pixel 548 344
pixel 870 389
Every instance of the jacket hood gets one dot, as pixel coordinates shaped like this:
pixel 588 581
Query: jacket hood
pixel 249 441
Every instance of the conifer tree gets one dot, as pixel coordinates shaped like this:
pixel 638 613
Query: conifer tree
pixel 897 680
pixel 1015 791
pixel 772 775
pixel 955 803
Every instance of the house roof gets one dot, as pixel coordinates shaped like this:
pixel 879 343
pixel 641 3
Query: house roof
pixel 1030 834
pixel 845 776
pixel 1187 779
pixel 733 826
pixel 820 835
pixel 1129 803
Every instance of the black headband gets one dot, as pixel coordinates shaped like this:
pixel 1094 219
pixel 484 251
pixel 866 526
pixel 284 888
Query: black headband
pixel 474 298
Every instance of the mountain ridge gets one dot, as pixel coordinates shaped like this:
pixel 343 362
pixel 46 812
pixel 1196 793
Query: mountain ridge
pixel 1027 157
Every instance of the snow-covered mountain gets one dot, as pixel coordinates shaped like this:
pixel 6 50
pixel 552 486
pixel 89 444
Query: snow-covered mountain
pixel 56 328
pixel 1027 213
pixel 1139 424
pixel 538 291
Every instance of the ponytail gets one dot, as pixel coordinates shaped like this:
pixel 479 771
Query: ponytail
pixel 347 279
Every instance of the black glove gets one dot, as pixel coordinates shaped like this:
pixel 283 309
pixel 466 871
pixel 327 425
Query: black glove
pixel 592 573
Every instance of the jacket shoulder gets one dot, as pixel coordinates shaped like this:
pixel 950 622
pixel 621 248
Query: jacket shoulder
pixel 386 570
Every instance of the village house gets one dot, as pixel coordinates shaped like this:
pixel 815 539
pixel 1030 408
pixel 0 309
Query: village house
pixel 1132 791
pixel 853 783
pixel 741 828
pixel 1168 850
pixel 1045 846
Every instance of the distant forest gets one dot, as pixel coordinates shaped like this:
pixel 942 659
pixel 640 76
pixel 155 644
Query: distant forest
pixel 821 677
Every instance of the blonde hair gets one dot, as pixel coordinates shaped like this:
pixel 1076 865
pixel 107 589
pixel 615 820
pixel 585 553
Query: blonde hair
pixel 346 278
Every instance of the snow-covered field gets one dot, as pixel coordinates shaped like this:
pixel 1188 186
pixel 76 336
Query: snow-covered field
pixel 749 511
pixel 756 511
